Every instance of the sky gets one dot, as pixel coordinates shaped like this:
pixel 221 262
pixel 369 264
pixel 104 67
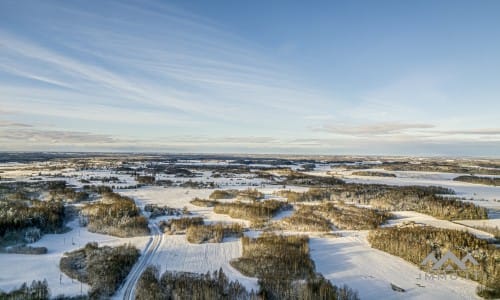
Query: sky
pixel 292 77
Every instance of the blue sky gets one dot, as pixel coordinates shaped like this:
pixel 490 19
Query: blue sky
pixel 322 77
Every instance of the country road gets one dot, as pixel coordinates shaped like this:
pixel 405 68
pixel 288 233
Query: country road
pixel 143 262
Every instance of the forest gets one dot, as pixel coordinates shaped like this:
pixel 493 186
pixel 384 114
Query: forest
pixel 285 269
pixel 180 225
pixel 212 233
pixel 415 243
pixel 103 268
pixel 115 215
pixel 495 181
pixel 254 211
pixel 244 195
pixel 193 286
pixel 38 290
pixel 322 217
pixel 373 173
pixel 428 200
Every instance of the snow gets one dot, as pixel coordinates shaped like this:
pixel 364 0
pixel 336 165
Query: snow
pixel 411 216
pixel 26 268
pixel 177 254
pixel 350 260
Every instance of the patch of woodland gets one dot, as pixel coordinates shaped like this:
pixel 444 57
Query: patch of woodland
pixel 115 215
pixel 322 217
pixel 38 290
pixel 25 221
pixel 244 195
pixel 373 173
pixel 495 181
pixel 414 244
pixel 212 233
pixel 256 211
pixel 285 270
pixel 103 268
pixel 156 211
pixel 303 179
pixel 203 202
pixel 424 199
pixel 435 166
pixel 185 285
pixel 180 225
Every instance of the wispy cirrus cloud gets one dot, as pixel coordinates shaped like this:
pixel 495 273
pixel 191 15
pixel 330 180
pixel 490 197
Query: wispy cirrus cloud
pixel 382 128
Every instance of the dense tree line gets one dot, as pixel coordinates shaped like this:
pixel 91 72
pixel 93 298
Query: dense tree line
pixel 285 269
pixel 247 195
pixel 373 173
pixel 424 199
pixel 26 221
pixel 302 179
pixel 203 202
pixel 155 211
pixel 146 179
pixel 212 233
pixel 415 243
pixel 38 290
pixel 495 181
pixel 184 285
pixel 322 216
pixel 58 190
pixel 103 268
pixel 115 215
pixel 435 166
pixel 254 211
pixel 180 225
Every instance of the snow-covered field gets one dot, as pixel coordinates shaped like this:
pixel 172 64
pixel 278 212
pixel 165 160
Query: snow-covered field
pixel 483 195
pixel 418 218
pixel 344 260
pixel 19 268
pixel 350 260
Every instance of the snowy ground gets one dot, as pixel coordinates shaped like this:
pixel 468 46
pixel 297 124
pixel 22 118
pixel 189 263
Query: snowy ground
pixel 19 268
pixel 411 216
pixel 350 260
pixel 483 195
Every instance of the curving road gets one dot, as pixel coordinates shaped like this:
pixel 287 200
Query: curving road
pixel 144 261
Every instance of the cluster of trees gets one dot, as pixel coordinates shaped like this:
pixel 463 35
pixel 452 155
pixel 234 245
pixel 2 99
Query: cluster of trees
pixel 103 268
pixel 304 219
pixel 415 243
pixel 26 221
pixel 59 191
pixel 271 255
pixel 436 166
pixel 145 179
pixel 203 202
pixel 180 225
pixel 248 194
pixel 184 285
pixel 321 217
pixel 212 233
pixel 158 211
pixel 434 205
pixel 478 179
pixel 285 269
pixel 313 194
pixel 424 199
pixel 254 211
pixel 115 215
pixel 373 173
pixel 302 179
pixel 38 290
